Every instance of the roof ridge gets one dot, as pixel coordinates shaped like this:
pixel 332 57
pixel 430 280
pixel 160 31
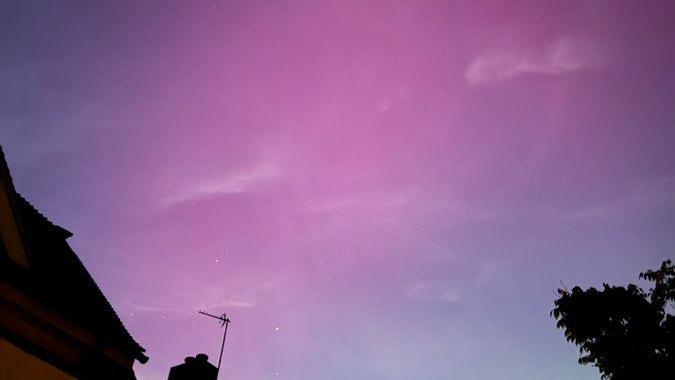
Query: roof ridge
pixel 41 217
pixel 107 303
pixel 29 213
pixel 6 174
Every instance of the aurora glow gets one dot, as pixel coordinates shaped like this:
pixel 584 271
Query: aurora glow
pixel 371 189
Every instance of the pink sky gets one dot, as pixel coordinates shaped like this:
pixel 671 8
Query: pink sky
pixel 371 189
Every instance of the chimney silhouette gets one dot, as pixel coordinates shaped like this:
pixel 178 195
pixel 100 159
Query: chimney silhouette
pixel 194 368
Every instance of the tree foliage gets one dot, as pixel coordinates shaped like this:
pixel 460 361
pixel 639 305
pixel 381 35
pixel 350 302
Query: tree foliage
pixel 624 331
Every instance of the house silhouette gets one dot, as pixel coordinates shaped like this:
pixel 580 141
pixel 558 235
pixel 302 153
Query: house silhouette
pixel 55 323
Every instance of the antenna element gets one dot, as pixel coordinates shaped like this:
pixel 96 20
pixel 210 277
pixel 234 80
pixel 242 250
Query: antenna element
pixel 224 322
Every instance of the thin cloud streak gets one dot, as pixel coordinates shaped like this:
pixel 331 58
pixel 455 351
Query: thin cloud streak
pixel 232 183
pixel 561 56
pixel 658 194
pixel 426 291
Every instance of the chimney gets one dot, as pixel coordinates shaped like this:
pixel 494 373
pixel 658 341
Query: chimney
pixel 194 368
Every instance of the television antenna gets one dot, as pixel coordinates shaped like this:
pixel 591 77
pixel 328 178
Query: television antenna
pixel 224 322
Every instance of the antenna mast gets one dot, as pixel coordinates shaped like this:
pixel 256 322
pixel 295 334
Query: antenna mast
pixel 224 322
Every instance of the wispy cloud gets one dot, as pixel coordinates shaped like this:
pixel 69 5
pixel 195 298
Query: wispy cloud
pixel 391 99
pixel 562 56
pixel 208 303
pixel 231 183
pixel 426 291
pixel 213 298
pixel 203 297
pixel 655 194
pixel 331 205
pixel 227 303
pixel 373 202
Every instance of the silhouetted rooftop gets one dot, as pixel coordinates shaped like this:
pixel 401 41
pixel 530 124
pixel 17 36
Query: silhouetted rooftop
pixel 59 279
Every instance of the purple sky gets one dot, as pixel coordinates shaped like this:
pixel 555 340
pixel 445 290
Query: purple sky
pixel 371 189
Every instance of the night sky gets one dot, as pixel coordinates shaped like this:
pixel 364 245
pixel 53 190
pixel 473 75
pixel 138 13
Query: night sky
pixel 370 189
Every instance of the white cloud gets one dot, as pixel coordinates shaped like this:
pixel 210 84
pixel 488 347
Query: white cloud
pixel 655 194
pixel 227 303
pixel 155 309
pixel 426 291
pixel 360 201
pixel 331 205
pixel 232 183
pixel 450 296
pixel 202 297
pixel 561 56
pixel 187 307
pixel 213 298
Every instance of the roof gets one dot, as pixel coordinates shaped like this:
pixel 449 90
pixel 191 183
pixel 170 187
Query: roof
pixel 60 280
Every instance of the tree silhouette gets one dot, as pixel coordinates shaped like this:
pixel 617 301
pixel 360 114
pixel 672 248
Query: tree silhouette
pixel 624 331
